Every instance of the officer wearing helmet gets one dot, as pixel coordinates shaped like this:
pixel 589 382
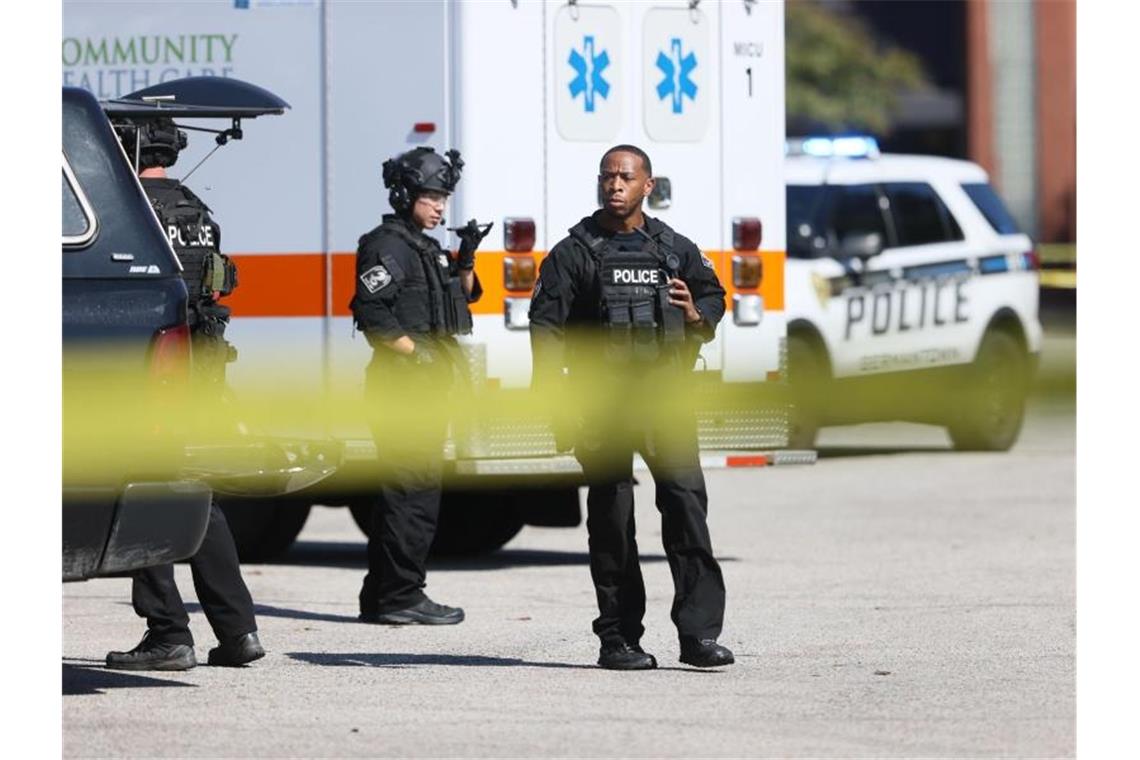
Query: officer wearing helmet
pixel 411 301
pixel 153 146
pixel 620 308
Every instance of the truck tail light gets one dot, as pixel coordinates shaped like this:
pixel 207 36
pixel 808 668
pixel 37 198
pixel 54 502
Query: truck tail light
pixel 746 271
pixel 170 356
pixel 518 234
pixel 746 233
pixel 519 272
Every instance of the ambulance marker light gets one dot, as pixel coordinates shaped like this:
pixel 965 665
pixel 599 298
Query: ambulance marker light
pixel 519 273
pixel 747 310
pixel 516 313
pixel 423 127
pixel 746 233
pixel 518 234
pixel 746 271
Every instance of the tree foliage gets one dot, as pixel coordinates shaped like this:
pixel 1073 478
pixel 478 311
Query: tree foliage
pixel 838 76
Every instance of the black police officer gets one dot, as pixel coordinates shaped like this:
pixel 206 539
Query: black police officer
pixel 411 301
pixel 627 288
pixel 195 237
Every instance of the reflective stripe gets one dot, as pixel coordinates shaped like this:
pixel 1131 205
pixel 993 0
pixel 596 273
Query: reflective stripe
pixel 294 284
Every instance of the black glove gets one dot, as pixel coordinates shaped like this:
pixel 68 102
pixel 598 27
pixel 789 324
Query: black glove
pixel 470 235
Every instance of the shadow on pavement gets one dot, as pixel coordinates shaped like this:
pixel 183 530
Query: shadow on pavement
pixel 840 452
pixel 268 610
pixel 95 679
pixel 352 554
pixel 403 660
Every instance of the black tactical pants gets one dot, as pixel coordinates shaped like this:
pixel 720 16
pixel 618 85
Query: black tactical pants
pixel 215 568
pixel 407 411
pixel 669 448
pixel 217 580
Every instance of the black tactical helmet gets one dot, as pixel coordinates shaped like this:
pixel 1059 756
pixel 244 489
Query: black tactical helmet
pixel 159 141
pixel 417 171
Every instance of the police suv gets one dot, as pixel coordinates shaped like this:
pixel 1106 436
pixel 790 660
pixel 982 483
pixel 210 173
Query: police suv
pixel 911 294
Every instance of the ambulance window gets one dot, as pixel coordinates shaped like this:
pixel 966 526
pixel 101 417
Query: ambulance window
pixel 992 208
pixel 919 214
pixel 855 210
pixel 78 219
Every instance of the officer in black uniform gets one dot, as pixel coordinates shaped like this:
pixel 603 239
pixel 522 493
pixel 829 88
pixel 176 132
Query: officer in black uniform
pixel 411 301
pixel 621 308
pixel 195 238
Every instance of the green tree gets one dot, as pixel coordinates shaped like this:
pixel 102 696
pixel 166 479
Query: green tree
pixel 837 73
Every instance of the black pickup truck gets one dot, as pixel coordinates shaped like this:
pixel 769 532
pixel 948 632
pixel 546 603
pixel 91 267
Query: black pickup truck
pixel 124 301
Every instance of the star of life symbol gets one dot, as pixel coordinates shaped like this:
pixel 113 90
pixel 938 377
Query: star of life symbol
pixel 676 70
pixel 589 67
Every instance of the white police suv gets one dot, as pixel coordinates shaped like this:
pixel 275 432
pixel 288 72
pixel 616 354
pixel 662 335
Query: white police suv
pixel 911 294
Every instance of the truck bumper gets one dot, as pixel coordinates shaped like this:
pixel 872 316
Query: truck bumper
pixel 147 524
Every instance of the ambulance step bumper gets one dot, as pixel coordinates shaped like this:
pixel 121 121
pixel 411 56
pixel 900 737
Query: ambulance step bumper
pixel 565 464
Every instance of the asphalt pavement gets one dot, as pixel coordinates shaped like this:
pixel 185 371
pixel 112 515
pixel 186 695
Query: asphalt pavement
pixel 894 599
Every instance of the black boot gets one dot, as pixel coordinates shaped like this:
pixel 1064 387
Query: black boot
pixel 236 651
pixel 625 657
pixel 705 653
pixel 153 655
pixel 425 612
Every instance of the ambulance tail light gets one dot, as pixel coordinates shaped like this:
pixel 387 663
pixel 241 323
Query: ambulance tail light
pixel 1031 260
pixel 746 271
pixel 518 234
pixel 519 273
pixel 746 233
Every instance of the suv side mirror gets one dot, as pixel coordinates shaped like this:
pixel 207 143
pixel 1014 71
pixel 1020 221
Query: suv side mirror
pixel 861 245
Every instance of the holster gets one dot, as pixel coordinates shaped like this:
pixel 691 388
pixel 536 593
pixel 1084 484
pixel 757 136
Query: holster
pixel 219 274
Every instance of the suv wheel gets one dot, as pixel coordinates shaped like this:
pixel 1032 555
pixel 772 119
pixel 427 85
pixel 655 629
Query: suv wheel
pixel 994 396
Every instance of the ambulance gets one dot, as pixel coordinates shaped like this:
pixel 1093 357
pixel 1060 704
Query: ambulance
pixel 531 93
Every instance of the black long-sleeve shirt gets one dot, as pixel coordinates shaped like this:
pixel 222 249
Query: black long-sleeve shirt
pixel 568 295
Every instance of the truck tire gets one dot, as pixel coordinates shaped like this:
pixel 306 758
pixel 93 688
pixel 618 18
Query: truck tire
pixel 994 396
pixel 264 529
pixel 470 523
pixel 807 370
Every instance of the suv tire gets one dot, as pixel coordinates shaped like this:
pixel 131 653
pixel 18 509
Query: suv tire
pixel 995 392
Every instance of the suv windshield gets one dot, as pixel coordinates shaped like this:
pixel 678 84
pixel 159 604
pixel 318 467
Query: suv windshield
pixel 992 208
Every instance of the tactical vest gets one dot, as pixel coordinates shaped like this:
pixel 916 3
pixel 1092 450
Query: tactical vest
pixel 195 238
pixel 634 286
pixel 450 314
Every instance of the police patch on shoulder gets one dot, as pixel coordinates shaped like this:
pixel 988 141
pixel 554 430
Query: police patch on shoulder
pixel 706 261
pixel 376 278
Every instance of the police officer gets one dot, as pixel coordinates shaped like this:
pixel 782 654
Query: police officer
pixel 195 238
pixel 628 289
pixel 411 301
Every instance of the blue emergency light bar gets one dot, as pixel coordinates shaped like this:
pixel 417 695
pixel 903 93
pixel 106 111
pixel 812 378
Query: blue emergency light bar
pixel 833 147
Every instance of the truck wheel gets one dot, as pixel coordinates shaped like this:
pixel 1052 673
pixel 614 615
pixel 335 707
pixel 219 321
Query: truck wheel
pixel 469 523
pixel 994 397
pixel 263 529
pixel 806 374
pixel 475 523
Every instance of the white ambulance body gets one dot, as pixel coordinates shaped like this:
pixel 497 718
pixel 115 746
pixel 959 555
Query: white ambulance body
pixel 531 93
